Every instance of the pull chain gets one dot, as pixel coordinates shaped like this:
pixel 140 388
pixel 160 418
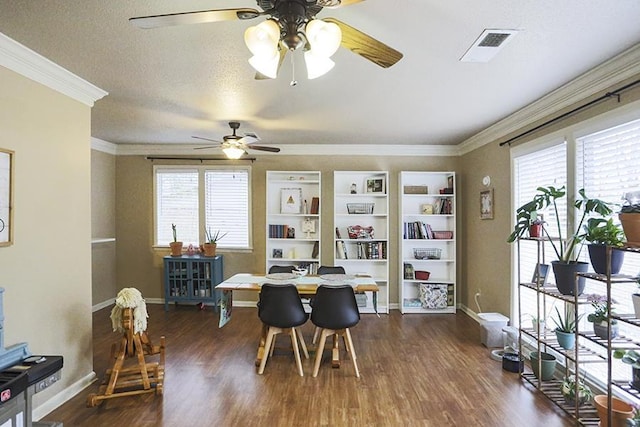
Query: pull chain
pixel 294 82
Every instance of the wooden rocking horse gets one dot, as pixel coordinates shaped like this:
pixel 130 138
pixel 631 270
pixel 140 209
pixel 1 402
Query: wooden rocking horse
pixel 130 377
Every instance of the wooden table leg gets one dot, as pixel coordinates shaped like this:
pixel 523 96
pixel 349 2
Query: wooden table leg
pixel 335 354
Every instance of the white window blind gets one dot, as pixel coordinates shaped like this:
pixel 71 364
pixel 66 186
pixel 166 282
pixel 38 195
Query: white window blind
pixel 227 206
pixel 176 203
pixel 199 198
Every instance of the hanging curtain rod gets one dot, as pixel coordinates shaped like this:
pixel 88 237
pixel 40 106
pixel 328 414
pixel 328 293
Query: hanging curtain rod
pixel 615 93
pixel 200 159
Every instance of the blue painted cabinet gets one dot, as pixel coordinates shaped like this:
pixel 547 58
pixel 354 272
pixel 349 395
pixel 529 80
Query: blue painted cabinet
pixel 192 279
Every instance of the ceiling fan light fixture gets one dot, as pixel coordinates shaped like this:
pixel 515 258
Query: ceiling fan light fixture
pixel 317 65
pixel 233 152
pixel 262 39
pixel 324 37
pixel 266 66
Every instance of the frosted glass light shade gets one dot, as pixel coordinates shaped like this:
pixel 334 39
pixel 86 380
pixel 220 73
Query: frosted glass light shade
pixel 324 37
pixel 317 65
pixel 262 39
pixel 266 66
pixel 233 152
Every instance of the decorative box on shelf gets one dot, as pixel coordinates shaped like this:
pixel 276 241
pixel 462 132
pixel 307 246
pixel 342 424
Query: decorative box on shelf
pixel 443 234
pixel 427 253
pixel 416 189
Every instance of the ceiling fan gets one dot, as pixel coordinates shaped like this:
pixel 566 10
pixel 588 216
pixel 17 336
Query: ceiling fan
pixel 234 146
pixel 291 24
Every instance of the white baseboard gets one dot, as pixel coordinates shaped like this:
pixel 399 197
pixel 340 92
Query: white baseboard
pixel 63 396
pixel 103 304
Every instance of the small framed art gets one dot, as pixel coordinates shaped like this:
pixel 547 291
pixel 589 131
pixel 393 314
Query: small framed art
pixel 291 200
pixel 375 184
pixel 486 204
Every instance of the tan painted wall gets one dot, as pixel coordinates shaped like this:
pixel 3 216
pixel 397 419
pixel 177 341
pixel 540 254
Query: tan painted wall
pixel 139 265
pixel 46 273
pixel 103 225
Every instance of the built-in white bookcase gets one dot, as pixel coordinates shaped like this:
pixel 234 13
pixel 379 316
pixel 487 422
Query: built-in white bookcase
pixel 427 234
pixel 361 206
pixel 293 219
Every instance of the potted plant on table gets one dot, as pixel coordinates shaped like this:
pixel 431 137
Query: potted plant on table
pixel 176 247
pixel 209 247
pixel 567 248
pixel 568 388
pixel 600 233
pixel 630 218
pixel 566 329
pixel 601 315
pixel 630 357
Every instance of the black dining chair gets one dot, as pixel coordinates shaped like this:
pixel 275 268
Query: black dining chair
pixel 281 269
pixel 281 311
pixel 333 269
pixel 335 311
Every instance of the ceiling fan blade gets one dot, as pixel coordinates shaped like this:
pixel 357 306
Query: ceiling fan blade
pixel 366 46
pixel 206 147
pixel 330 4
pixel 263 148
pixel 206 139
pixel 198 17
pixel 260 76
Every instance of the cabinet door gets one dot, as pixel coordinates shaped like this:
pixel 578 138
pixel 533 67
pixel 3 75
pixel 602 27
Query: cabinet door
pixel 177 278
pixel 201 279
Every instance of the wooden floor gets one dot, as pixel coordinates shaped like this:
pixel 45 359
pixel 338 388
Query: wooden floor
pixel 416 370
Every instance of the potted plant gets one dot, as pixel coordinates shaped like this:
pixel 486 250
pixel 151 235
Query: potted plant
pixel 634 421
pixel 569 387
pixel 209 247
pixel 630 219
pixel 567 248
pixel 176 247
pixel 630 357
pixel 566 330
pixel 600 315
pixel 621 411
pixel 600 233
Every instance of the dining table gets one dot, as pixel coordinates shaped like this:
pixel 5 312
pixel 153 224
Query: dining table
pixel 306 285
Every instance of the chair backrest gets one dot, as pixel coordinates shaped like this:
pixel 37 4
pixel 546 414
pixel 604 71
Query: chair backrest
pixel 280 306
pixel 326 269
pixel 282 268
pixel 335 307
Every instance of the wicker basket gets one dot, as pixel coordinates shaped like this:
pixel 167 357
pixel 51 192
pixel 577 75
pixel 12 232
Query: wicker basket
pixel 360 208
pixel 443 234
pixel 427 253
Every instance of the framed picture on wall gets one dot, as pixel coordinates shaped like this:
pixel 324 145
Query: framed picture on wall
pixel 6 197
pixel 486 204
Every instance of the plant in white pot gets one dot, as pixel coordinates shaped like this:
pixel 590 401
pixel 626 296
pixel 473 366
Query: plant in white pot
pixel 600 233
pixel 566 247
pixel 566 329
pixel 601 315
pixel 630 357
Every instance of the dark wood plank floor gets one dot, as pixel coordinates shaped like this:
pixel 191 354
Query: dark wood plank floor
pixel 416 370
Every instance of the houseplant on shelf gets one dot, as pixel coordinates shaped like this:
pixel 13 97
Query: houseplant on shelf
pixel 176 247
pixel 630 357
pixel 568 390
pixel 634 421
pixel 630 218
pixel 209 247
pixel 566 329
pixel 567 248
pixel 635 298
pixel 600 315
pixel 600 233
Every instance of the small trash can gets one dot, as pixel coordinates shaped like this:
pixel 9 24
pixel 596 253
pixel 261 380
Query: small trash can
pixel 491 325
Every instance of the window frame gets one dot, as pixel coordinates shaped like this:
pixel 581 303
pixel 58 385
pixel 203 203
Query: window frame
pixel 201 170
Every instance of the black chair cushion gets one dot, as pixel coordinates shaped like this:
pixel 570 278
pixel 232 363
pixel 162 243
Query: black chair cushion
pixel 280 306
pixel 335 307
pixel 282 269
pixel 326 269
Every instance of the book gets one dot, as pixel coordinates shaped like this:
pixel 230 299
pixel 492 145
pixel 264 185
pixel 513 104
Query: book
pixel 315 206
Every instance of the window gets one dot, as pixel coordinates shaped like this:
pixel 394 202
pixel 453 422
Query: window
pixel 199 198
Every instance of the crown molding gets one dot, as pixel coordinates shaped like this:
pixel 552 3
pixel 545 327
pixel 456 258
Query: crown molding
pixel 104 146
pixel 297 150
pixel 22 60
pixel 600 78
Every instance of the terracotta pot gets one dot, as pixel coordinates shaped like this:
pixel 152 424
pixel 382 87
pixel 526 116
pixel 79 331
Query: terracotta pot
pixel 631 227
pixel 535 230
pixel 209 249
pixel 620 411
pixel 176 248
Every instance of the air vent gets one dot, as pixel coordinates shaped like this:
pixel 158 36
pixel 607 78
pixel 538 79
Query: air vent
pixel 488 45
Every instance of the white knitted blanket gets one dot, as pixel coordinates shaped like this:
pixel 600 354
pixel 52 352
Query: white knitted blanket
pixel 130 298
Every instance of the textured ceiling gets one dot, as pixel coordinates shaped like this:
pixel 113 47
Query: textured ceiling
pixel 167 84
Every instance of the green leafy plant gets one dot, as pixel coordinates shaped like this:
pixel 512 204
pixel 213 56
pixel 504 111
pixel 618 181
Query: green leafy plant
pixel 213 237
pixel 634 421
pixel 630 357
pixel 601 313
pixel 567 247
pixel 565 323
pixel 568 389
pixel 601 231
pixel 175 232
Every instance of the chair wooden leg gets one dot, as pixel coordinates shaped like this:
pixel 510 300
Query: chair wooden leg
pixel 267 347
pixel 302 343
pixel 335 352
pixel 316 331
pixel 324 333
pixel 352 351
pixel 296 352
